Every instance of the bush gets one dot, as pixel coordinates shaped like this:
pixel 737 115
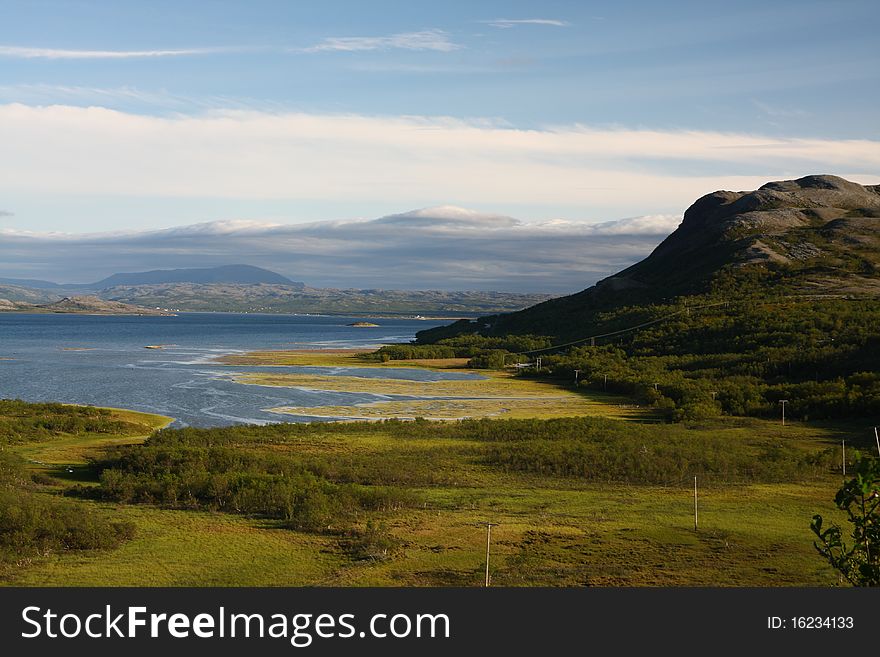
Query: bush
pixel 22 422
pixel 374 542
pixel 823 355
pixel 859 562
pixel 289 488
pixel 32 524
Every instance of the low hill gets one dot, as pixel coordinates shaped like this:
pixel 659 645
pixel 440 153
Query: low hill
pixel 267 298
pixel 817 235
pixel 29 283
pixel 27 295
pixel 84 305
pixel 271 298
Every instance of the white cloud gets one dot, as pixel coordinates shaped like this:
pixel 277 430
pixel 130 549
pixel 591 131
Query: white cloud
pixel 405 160
pixel 449 216
pixel 23 52
pixel 127 96
pixel 654 224
pixel 506 23
pixel 446 247
pixel 779 112
pixel 437 40
pixel 6 213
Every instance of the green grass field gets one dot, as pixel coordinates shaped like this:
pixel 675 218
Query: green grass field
pixel 552 531
pixel 74 449
pixel 186 548
pixel 600 535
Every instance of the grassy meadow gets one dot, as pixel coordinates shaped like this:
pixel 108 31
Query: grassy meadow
pixel 591 501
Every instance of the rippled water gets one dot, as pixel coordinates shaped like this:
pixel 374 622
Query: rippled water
pixel 102 361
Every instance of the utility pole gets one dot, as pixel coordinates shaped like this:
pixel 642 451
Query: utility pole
pixel 695 503
pixel 592 342
pixel 489 526
pixel 576 372
pixel 537 363
pixel 877 438
pixel 655 387
pixel 843 455
pixel 783 402
pixel 606 386
pixel 713 393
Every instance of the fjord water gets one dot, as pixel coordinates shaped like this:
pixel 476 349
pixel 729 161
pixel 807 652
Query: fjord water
pixel 103 361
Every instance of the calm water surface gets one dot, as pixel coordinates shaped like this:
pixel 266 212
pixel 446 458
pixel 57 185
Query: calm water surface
pixel 102 361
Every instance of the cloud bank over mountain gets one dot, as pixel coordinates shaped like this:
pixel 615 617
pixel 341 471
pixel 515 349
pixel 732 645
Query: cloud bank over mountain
pixel 259 156
pixel 445 247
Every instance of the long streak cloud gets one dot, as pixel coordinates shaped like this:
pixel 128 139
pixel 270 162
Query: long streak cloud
pixel 402 160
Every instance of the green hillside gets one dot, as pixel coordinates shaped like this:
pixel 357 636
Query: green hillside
pixel 755 298
pixel 818 235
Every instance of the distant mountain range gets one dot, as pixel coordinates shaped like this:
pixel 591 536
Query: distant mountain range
pixel 236 274
pixel 245 288
pixel 817 235
pixel 30 283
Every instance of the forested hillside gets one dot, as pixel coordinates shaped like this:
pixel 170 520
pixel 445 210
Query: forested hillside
pixel 757 297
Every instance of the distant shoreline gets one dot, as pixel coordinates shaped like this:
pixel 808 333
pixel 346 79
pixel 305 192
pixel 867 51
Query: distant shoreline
pixel 430 318
pixel 90 314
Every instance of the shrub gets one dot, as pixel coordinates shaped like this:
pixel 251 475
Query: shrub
pixel 858 562
pixel 32 524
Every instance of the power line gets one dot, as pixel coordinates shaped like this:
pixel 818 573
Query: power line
pixel 592 338
pixel 794 298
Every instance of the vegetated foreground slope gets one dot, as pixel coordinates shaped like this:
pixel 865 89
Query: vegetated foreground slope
pixel 580 501
pixel 35 522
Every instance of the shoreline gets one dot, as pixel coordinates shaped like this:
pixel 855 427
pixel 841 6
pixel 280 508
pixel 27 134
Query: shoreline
pixel 176 313
pixel 167 419
pixel 88 314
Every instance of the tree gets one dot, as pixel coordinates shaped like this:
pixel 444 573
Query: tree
pixel 860 498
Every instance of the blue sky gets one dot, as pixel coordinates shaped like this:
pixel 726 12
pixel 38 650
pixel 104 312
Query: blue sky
pixel 780 67
pixel 576 111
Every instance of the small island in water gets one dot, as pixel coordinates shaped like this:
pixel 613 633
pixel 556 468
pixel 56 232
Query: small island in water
pixel 363 325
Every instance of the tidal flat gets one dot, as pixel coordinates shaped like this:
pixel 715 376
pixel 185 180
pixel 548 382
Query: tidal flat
pixel 482 393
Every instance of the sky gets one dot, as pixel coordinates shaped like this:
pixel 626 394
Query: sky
pixel 317 125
